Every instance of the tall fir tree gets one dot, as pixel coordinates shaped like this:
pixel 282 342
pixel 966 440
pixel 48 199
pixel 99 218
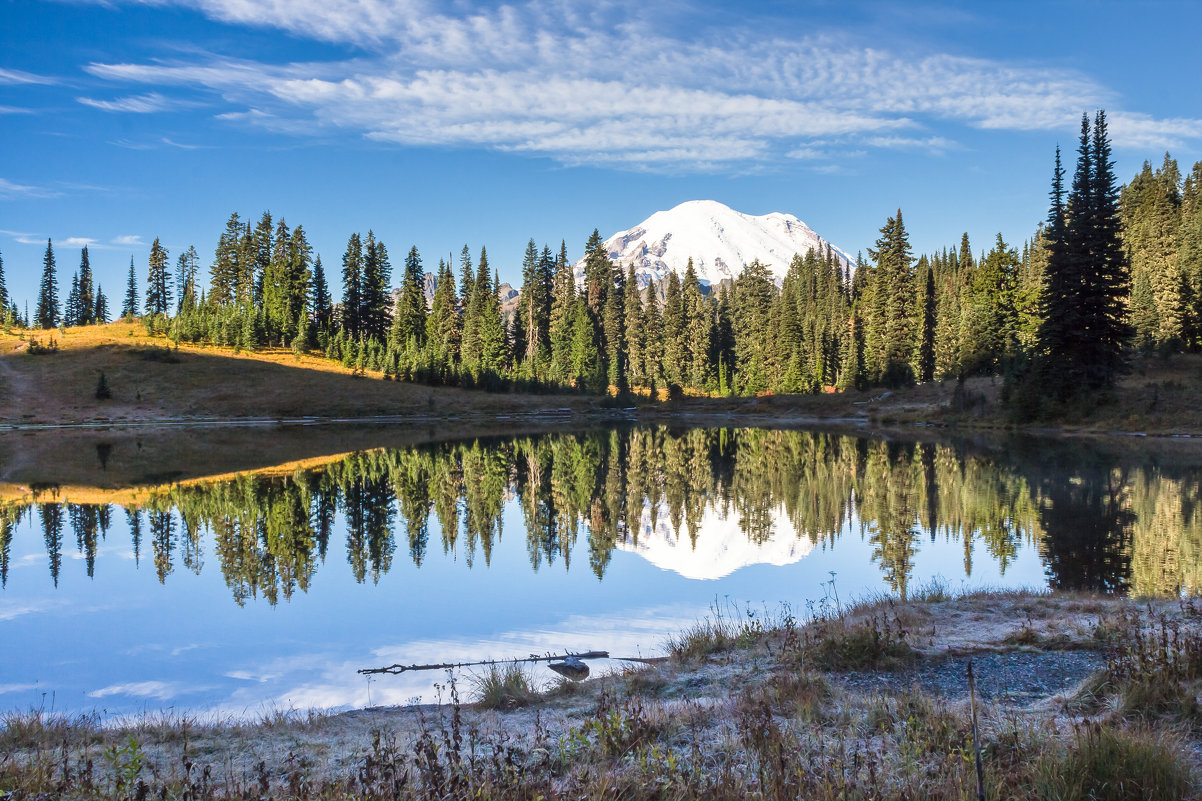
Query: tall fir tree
pixel 47 315
pixel 443 322
pixel 187 288
pixel 100 315
pixel 158 283
pixel 1081 340
pixel 322 304
pixel 926 338
pixel 87 292
pixel 5 300
pixel 1108 279
pixel 129 307
pixel 375 301
pixel 352 287
pixel 895 300
pixel 71 308
pixel 409 321
pixel 226 269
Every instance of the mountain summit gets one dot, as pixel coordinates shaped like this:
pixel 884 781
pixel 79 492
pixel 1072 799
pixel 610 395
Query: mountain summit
pixel 719 239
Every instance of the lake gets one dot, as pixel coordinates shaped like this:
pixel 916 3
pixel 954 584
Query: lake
pixel 265 591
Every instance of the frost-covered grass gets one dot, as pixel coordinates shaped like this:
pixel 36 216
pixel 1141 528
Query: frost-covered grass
pixel 760 714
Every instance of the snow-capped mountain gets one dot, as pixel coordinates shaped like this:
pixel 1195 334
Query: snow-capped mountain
pixel 722 547
pixel 719 239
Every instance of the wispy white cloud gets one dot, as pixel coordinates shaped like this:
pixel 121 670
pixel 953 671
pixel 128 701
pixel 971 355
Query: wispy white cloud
pixel 21 77
pixel 11 189
pixel 11 610
pixel 16 688
pixel 135 104
pixel 593 85
pixel 129 240
pixel 159 690
pixel 79 241
pixel 15 110
pixel 931 144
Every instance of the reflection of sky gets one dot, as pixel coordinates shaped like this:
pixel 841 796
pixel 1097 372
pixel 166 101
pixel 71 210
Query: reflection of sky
pixel 122 642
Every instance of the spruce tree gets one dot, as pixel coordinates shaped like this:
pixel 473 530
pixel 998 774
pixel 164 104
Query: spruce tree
pixel 926 347
pixel 352 287
pixel 490 329
pixel 158 286
pixel 87 293
pixel 5 300
pixel 1190 254
pixel 1080 342
pixel 226 267
pixel 375 301
pixel 186 287
pixel 1108 279
pixel 632 305
pixel 409 322
pixel 100 315
pixel 129 307
pixel 653 337
pixel 71 309
pixel 47 315
pixel 322 304
pixel 442 325
pixel 895 300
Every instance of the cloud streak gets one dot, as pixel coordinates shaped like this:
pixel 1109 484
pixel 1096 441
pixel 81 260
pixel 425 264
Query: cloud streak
pixel 600 86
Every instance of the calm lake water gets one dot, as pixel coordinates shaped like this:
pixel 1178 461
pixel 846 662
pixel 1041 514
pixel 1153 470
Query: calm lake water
pixel 268 592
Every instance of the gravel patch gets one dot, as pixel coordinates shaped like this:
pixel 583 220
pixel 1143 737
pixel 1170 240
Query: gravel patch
pixel 1013 677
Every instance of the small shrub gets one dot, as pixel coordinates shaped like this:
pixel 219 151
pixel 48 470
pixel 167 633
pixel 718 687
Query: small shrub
pixel 506 686
pixel 37 348
pixel 1104 763
pixel 876 642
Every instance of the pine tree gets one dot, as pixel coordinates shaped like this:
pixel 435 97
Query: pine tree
pixel 87 293
pixel 375 301
pixel 186 287
pixel 352 287
pixel 442 325
pixel 632 305
pixel 1151 215
pixel 1190 254
pixel 675 351
pixel 1085 324
pixel 226 267
pixel 158 286
pixel 409 322
pixel 490 330
pixel 5 300
pixel 101 314
pixel 895 300
pixel 322 304
pixel 1108 280
pixel 653 337
pixel 71 309
pixel 926 339
pixel 48 307
pixel 298 277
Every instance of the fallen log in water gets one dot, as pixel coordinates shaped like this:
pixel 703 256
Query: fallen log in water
pixel 399 668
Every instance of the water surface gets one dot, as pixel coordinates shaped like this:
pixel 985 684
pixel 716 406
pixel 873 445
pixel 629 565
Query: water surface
pixel 268 591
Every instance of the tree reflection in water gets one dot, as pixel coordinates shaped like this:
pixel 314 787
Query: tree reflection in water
pixel 1098 521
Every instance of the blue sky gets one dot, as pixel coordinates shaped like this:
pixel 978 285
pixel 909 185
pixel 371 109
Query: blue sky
pixel 439 124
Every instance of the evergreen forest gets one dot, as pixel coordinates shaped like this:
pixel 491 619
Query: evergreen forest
pixel 1112 271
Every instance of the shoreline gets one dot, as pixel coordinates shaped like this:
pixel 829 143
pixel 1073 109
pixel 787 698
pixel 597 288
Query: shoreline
pixel 873 677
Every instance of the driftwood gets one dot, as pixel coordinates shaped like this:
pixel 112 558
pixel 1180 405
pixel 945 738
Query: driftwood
pixel 398 668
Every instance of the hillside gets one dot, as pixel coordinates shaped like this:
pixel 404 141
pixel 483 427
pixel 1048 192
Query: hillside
pixel 151 381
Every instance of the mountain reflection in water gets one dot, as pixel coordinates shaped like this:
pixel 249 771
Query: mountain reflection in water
pixel 602 540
